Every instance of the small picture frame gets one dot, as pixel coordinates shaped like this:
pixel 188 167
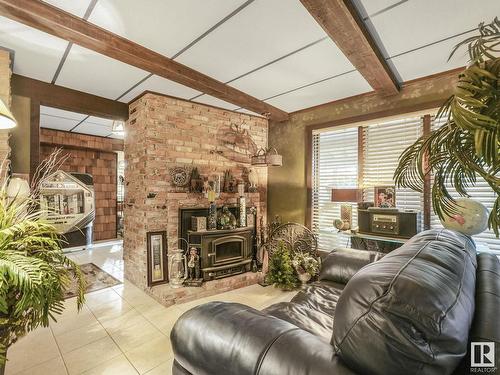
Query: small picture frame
pixel 157 258
pixel 385 196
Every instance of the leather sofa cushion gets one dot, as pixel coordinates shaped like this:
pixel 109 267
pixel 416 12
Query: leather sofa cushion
pixel 312 309
pixel 341 264
pixel 411 311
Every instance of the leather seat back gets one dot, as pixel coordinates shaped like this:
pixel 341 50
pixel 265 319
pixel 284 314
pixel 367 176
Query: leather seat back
pixel 411 311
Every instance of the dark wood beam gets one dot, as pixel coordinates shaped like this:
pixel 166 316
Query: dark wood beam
pixel 342 23
pixel 54 21
pixel 34 136
pixel 68 99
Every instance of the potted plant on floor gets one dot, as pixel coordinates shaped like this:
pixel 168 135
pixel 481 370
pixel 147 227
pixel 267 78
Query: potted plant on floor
pixel 281 272
pixel 468 145
pixel 306 266
pixel 34 272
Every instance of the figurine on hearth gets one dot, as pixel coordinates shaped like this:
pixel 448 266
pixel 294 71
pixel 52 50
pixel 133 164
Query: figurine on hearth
pixel 193 266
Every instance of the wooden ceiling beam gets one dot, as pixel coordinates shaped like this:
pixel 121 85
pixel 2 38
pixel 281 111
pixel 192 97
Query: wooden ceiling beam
pixel 57 22
pixel 342 23
pixel 68 99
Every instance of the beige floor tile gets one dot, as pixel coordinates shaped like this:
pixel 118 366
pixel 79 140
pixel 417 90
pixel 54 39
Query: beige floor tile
pixel 54 366
pixel 80 337
pixel 96 299
pixel 163 318
pixel 110 310
pixel 71 320
pixel 37 347
pixel 163 369
pixel 91 355
pixel 150 355
pixel 125 320
pixel 134 336
pixel 116 366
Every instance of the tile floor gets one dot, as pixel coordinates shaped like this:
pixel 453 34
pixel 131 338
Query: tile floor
pixel 119 331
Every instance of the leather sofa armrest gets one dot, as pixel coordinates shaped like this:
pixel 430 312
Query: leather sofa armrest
pixel 343 263
pixel 230 338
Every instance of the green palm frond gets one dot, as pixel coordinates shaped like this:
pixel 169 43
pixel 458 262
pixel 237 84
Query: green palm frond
pixel 34 272
pixel 468 145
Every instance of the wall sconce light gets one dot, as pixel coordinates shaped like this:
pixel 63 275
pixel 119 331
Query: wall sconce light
pixel 7 120
pixel 118 127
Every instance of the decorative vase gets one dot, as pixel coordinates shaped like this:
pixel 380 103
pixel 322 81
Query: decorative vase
pixel 304 277
pixel 242 209
pixel 471 217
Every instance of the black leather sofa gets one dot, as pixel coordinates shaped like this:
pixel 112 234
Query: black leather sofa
pixel 414 311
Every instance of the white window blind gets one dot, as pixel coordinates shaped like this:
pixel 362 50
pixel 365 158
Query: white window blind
pixel 480 192
pixel 335 165
pixel 383 144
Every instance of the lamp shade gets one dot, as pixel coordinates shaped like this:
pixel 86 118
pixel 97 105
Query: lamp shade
pixel 346 195
pixel 7 120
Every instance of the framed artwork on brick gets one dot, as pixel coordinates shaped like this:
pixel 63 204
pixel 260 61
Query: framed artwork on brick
pixel 157 258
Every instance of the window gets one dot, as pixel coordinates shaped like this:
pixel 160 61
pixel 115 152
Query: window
pixel 335 165
pixel 383 144
pixel 480 192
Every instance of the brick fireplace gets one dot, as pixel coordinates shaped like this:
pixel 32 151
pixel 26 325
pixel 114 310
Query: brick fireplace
pixel 164 132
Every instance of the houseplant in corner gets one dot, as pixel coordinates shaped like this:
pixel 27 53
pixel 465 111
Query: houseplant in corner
pixel 281 272
pixel 34 272
pixel 468 145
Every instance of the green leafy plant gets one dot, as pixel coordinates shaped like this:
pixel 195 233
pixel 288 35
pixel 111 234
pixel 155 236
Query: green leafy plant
pixel 305 263
pixel 467 146
pixel 281 271
pixel 34 272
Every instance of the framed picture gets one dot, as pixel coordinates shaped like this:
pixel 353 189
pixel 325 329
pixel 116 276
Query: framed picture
pixel 385 196
pixel 157 258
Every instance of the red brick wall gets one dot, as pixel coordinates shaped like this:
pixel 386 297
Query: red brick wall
pixel 95 156
pixel 164 132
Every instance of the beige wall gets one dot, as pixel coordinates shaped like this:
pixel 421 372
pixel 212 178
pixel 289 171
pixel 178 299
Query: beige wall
pixel 5 74
pixel 20 135
pixel 287 193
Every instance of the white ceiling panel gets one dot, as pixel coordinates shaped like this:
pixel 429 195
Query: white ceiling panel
pixel 50 111
pixel 57 123
pixel 332 89
pixel 165 26
pixel 97 74
pixel 312 64
pixel 210 100
pixel 374 6
pixel 95 126
pixel 262 32
pixel 37 54
pixel 162 86
pixel 417 23
pixel 76 7
pixel 431 59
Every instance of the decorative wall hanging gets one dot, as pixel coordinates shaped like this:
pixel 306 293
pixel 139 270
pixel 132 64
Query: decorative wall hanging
pixel 157 258
pixel 385 196
pixel 180 176
pixel 239 140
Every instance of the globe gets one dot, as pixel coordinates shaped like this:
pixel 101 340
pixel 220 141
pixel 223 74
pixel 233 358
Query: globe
pixel 471 217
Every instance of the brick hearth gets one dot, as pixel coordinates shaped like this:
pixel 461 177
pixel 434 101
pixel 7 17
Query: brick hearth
pixel 164 132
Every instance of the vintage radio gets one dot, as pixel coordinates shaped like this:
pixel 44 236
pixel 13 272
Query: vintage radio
pixel 390 222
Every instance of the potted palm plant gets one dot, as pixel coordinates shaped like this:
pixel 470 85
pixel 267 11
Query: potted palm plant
pixel 34 272
pixel 467 146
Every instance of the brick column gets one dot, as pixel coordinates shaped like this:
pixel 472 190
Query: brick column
pixel 5 95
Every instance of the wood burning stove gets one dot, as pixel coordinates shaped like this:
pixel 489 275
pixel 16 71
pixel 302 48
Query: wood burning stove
pixel 222 252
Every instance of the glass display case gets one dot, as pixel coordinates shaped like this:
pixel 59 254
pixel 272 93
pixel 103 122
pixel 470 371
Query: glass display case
pixel 68 199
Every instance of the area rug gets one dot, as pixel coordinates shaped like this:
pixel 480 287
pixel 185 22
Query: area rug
pixel 96 279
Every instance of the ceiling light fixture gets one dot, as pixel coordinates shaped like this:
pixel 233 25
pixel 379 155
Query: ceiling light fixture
pixel 7 120
pixel 118 127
